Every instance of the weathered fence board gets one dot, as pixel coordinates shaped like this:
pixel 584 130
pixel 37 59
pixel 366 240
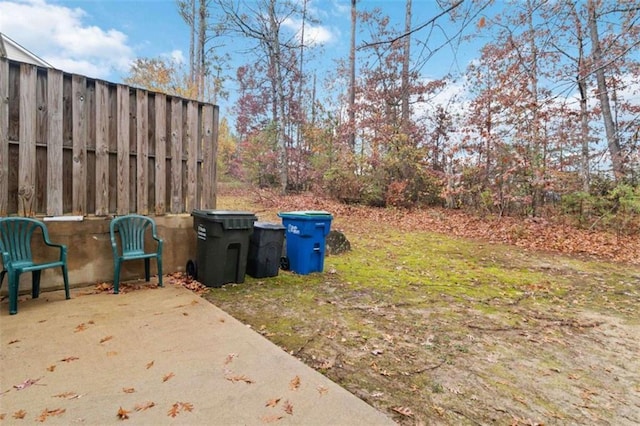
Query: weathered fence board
pixel 160 136
pixel 54 142
pixel 27 135
pixel 102 148
pixel 142 154
pixel 123 156
pixel 74 145
pixel 192 136
pixel 176 156
pixel 79 139
pixel 4 138
pixel 209 154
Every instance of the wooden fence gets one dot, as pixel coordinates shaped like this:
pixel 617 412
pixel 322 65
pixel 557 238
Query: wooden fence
pixel 72 145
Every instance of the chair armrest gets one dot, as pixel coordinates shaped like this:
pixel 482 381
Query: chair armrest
pixel 47 241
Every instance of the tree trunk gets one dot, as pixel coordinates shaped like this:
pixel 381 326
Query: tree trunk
pixel 202 39
pixel 187 10
pixel 613 141
pixel 405 70
pixel 279 120
pixel 300 120
pixel 352 79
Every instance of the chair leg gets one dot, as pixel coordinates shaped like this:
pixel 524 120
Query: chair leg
pixel 116 278
pixel 159 260
pixel 14 280
pixel 35 288
pixel 2 277
pixel 65 276
pixel 147 272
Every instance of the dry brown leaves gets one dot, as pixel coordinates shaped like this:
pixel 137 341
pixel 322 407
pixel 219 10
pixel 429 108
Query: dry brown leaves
pixel 532 233
pixel 184 280
pixel 294 384
pixel 48 413
pixel 178 407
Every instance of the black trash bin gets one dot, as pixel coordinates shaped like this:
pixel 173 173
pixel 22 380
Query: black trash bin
pixel 222 246
pixel 265 249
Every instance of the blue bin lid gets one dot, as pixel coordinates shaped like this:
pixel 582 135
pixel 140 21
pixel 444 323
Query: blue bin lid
pixel 306 214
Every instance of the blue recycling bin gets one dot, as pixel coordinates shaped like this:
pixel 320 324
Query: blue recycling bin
pixel 305 233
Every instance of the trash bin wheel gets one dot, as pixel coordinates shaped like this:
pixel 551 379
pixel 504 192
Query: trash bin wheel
pixel 284 263
pixel 192 269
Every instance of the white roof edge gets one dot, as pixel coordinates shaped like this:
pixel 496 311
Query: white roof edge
pixel 10 49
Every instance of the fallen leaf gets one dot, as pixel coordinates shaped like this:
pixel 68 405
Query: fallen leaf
pixel 3 415
pixel 186 406
pixel 229 358
pixel 14 341
pixel 67 395
pixel 271 419
pixel 46 413
pixel 123 414
pixel 19 414
pixel 103 287
pixel 145 406
pixel 405 411
pixel 167 377
pixel 128 390
pixel 80 327
pixel 288 408
pixel 322 390
pixel 272 402
pixel 51 368
pixel 174 410
pixel 69 359
pixel 27 383
pixel 112 353
pixel 239 378
pixel 106 339
pixel 294 384
pixel 150 364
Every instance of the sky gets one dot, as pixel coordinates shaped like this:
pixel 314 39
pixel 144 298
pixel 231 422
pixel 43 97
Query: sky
pixel 100 38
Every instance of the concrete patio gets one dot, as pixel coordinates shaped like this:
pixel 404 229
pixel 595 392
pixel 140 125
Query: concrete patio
pixel 156 356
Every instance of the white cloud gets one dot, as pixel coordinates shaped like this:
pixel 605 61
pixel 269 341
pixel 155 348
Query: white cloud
pixel 313 34
pixel 60 36
pixel 177 56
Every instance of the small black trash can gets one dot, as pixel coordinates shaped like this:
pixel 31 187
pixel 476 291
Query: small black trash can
pixel 222 246
pixel 265 249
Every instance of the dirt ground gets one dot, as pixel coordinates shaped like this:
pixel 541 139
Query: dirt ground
pixel 530 338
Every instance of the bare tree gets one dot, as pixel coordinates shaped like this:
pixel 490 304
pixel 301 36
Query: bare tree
pixel 405 68
pixel 352 78
pixel 613 142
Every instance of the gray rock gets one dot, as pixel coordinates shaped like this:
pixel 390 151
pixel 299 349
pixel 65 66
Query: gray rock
pixel 337 243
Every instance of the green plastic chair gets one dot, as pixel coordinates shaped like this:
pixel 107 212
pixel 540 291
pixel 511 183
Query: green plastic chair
pixel 131 230
pixel 15 245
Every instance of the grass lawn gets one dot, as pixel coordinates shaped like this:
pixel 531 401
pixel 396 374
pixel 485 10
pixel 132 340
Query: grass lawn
pixel 432 328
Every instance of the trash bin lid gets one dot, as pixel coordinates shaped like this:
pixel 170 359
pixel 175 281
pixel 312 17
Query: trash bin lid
pixel 220 213
pixel 306 214
pixel 229 219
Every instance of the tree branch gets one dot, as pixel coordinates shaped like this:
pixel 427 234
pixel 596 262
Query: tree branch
pixel 418 28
